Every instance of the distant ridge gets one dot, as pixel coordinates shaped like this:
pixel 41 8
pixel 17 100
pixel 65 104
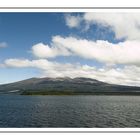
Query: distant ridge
pixel 67 85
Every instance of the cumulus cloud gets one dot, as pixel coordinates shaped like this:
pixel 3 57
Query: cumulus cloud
pixel 43 64
pixel 3 44
pixel 126 53
pixel 17 63
pixel 44 51
pixel 72 21
pixel 122 53
pixel 129 75
pixel 22 63
pixel 124 25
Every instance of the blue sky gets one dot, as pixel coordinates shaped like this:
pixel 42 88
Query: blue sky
pixel 22 31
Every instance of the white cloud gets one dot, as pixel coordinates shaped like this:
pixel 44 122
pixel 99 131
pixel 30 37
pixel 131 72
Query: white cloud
pixel 125 25
pixel 126 53
pixel 72 21
pixel 17 63
pixel 3 44
pixel 44 51
pixel 43 64
pixel 129 75
pixel 21 63
pixel 122 53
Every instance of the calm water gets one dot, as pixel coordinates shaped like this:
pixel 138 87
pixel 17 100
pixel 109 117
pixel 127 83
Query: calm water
pixel 69 111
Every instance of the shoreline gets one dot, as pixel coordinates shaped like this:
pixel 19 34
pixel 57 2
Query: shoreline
pixel 61 93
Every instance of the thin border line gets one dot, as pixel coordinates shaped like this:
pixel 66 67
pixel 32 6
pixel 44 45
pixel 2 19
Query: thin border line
pixel 70 131
pixel 69 7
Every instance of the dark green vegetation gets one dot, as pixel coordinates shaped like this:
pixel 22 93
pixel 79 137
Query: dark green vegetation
pixel 77 93
pixel 67 86
pixel 47 93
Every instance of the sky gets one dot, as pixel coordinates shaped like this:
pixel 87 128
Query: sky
pixel 102 46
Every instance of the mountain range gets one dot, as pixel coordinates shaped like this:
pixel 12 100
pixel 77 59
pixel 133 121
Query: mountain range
pixel 67 85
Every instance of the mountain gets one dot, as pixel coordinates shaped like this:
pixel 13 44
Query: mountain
pixel 67 85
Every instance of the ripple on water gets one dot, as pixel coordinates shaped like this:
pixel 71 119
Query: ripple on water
pixel 69 111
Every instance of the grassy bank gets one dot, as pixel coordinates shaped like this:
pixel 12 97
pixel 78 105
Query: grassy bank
pixel 47 93
pixel 78 93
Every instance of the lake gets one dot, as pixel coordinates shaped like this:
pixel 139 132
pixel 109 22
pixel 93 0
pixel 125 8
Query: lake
pixel 19 111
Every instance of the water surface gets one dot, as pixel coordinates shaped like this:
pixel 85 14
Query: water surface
pixel 69 111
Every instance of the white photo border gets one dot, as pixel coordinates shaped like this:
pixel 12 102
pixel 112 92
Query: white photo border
pixel 69 9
